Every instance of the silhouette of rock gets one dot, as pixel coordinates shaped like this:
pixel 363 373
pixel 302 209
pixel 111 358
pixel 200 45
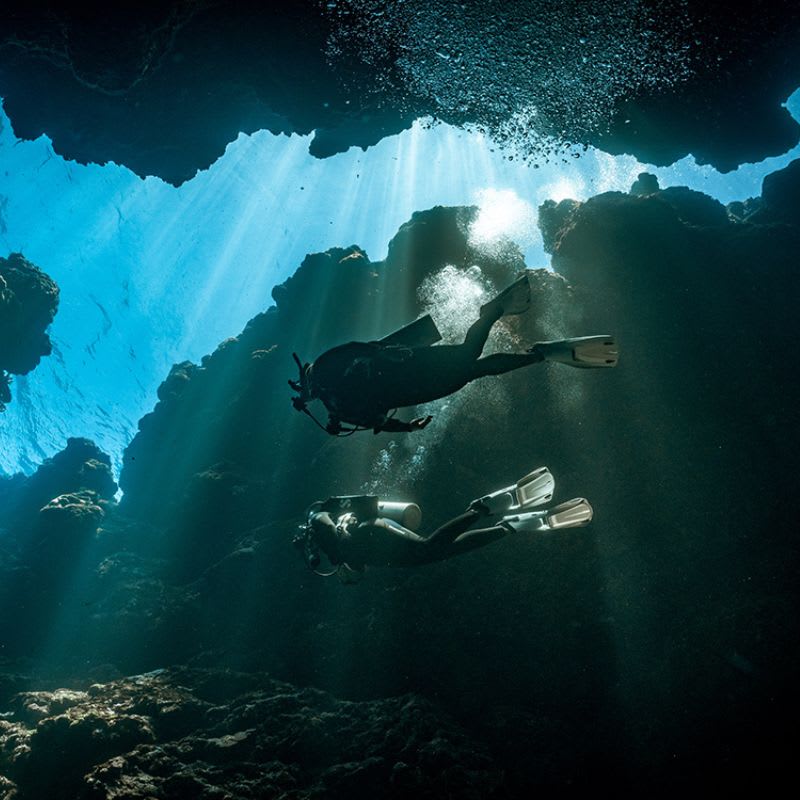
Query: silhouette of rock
pixel 80 466
pixel 28 303
pixel 164 89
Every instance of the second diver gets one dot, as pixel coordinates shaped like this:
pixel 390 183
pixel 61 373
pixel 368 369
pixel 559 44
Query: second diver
pixel 363 383
pixel 359 531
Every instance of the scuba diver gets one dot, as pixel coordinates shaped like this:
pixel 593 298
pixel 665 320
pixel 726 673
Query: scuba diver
pixel 364 383
pixel 361 530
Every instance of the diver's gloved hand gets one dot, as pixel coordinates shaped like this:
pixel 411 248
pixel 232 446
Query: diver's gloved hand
pixel 393 425
pixel 420 422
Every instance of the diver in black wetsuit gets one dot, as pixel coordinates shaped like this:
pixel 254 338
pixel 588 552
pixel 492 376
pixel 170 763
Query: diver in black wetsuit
pixel 359 531
pixel 363 383
pixel 382 542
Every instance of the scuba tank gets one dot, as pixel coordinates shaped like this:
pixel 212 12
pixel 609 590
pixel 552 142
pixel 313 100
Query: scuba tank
pixel 409 515
pixel 368 506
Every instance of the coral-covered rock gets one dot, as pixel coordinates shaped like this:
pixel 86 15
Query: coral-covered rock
pixel 73 511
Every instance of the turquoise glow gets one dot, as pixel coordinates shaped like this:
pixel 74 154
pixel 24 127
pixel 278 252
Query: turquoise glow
pixel 151 275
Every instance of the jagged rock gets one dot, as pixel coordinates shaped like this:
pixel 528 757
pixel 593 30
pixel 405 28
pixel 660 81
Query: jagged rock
pixel 704 310
pixel 677 80
pixel 243 67
pixel 552 218
pixel 80 467
pixel 181 733
pixel 741 210
pixel 50 521
pixel 692 207
pixel 63 745
pixel 28 303
pixel 8 791
pixel 780 197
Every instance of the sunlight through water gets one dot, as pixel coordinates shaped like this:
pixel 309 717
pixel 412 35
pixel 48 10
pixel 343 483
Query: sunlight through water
pixel 152 275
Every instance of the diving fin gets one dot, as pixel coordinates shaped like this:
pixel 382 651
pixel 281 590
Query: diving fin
pixel 532 490
pixel 421 332
pixel 573 513
pixel 586 352
pixel 514 299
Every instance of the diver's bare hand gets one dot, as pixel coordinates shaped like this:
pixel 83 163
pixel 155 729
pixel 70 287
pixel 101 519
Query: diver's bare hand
pixel 420 422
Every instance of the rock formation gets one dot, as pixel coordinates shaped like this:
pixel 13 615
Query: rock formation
pixel 28 303
pixel 164 88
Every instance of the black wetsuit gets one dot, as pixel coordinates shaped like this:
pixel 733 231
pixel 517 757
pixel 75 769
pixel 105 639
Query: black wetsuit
pixel 362 382
pixel 383 542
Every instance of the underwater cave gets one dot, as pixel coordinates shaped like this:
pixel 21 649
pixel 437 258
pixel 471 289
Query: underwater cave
pixel 399 219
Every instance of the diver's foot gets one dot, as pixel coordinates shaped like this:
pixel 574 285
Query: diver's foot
pixel 531 490
pixel 515 299
pixel 587 352
pixel 496 503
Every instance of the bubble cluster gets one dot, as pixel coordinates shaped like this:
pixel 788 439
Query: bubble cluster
pixel 536 75
pixel 504 219
pixel 453 297
pixel 404 459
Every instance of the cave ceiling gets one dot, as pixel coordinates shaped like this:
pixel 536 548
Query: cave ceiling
pixel 164 87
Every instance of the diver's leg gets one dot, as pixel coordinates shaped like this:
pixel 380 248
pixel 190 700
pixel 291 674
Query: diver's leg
pixel 474 539
pixel 445 534
pixel 478 332
pixel 500 363
pixel 513 300
pixel 453 538
pixel 439 370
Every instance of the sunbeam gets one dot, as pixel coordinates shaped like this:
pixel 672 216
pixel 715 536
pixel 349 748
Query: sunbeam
pixel 179 270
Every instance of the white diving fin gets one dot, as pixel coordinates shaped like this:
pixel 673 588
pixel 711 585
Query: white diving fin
pixel 533 490
pixel 573 513
pixel 587 352
pixel 514 299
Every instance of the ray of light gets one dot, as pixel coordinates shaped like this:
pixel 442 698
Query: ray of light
pixel 152 275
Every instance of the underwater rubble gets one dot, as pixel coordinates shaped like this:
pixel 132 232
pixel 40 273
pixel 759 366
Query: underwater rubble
pixel 205 733
pixel 172 644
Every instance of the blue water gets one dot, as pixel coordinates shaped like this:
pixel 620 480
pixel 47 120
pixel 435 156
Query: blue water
pixel 151 274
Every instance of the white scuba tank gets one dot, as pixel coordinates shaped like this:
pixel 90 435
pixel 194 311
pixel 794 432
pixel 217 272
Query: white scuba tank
pixel 409 515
